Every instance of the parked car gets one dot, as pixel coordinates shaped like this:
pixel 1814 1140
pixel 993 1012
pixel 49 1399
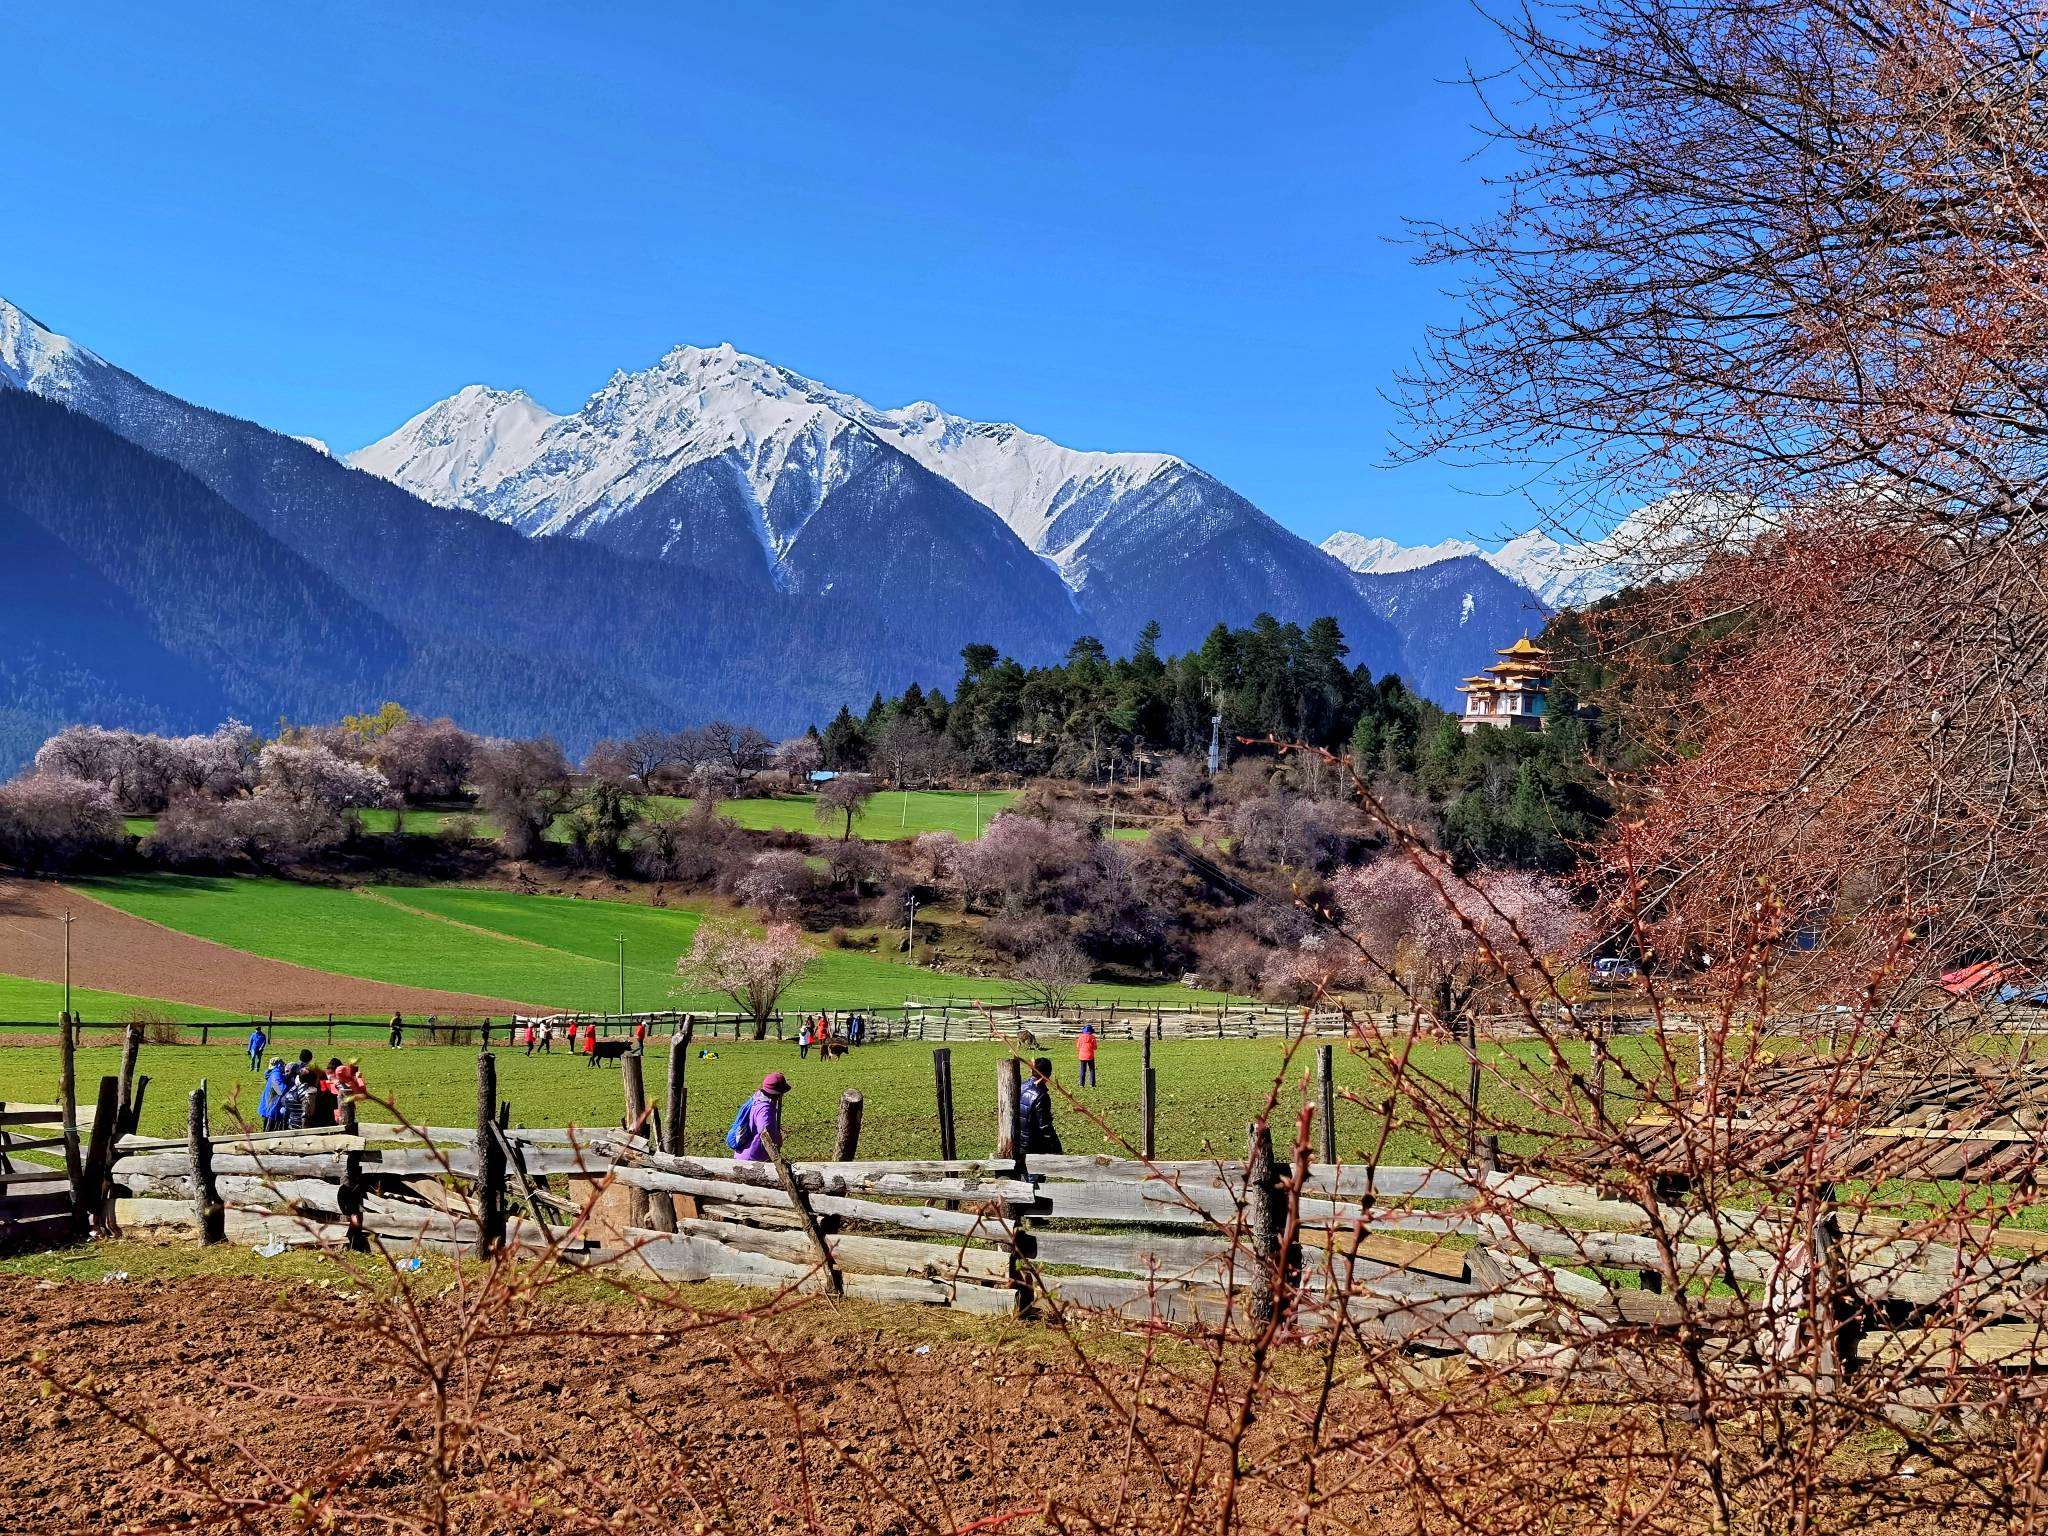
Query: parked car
pixel 1615 970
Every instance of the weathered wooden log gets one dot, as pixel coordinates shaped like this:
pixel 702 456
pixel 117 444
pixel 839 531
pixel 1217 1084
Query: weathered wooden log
pixel 635 1090
pixel 846 1135
pixel 1326 1100
pixel 349 1198
pixel 991 1224
pixel 1009 1108
pixel 490 1160
pixel 74 1160
pixel 131 1050
pixel 207 1212
pixel 1265 1219
pixel 834 1286
pixel 100 1153
pixel 942 1075
pixel 948 1262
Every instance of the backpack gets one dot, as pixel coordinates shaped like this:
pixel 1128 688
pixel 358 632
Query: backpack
pixel 736 1137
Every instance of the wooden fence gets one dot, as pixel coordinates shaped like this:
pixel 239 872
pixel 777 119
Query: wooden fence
pixel 1504 1267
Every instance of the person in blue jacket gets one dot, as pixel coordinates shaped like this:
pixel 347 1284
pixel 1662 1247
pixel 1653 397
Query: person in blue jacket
pixel 271 1106
pixel 257 1040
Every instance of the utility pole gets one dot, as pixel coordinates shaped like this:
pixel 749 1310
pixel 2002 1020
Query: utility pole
pixel 1215 742
pixel 622 974
pixel 910 930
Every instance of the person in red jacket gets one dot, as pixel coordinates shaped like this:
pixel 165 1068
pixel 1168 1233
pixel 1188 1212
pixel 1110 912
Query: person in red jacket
pixel 640 1036
pixel 1084 1052
pixel 590 1043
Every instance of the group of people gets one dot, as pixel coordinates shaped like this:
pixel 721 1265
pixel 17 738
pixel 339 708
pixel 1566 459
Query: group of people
pixel 539 1035
pixel 815 1029
pixel 302 1095
pixel 757 1126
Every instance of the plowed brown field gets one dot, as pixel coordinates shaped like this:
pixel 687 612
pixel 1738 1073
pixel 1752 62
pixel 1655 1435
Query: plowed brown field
pixel 117 952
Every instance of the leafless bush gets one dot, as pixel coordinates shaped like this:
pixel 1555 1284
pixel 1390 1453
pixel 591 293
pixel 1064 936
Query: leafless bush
pixel 265 830
pixel 49 822
pixel 777 883
pixel 523 785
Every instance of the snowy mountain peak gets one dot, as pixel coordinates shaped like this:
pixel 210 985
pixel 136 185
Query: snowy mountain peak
pixel 461 447
pixel 34 357
pixel 1563 575
pixel 1379 556
pixel 556 474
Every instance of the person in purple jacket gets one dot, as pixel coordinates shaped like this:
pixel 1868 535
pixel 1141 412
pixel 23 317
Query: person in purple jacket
pixel 760 1123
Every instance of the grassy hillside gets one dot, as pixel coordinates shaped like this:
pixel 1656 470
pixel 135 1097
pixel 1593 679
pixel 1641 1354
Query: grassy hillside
pixel 549 951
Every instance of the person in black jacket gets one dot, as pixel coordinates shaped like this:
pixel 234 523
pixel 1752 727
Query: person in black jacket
pixel 1034 1103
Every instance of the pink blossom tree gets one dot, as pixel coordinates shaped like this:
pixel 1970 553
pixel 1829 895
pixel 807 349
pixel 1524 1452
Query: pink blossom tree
pixel 754 970
pixel 1441 942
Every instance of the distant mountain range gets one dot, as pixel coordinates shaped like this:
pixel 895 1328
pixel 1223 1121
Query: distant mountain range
pixel 714 535
pixel 1562 575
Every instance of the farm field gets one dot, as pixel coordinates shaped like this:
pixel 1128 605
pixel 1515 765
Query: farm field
pixel 549 951
pixel 891 815
pixel 1209 1090
pixel 23 998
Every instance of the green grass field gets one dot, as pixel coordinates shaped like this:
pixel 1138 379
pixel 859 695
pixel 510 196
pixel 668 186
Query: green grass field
pixel 24 999
pixel 1209 1090
pixel 890 815
pixel 549 951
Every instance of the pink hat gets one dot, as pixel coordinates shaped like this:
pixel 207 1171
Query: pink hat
pixel 775 1083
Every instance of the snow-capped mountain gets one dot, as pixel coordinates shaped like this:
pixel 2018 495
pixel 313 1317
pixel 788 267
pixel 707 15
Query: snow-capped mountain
pixel 35 358
pixel 454 451
pixel 1381 556
pixel 1562 575
pixel 723 460
pixel 514 635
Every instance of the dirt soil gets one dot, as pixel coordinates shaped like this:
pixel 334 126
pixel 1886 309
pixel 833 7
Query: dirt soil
pixel 595 1421
pixel 117 952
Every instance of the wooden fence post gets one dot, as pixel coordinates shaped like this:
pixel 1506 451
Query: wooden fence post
pixel 1265 1216
pixel 846 1139
pixel 834 1286
pixel 74 1165
pixel 490 1160
pixel 131 1049
pixel 349 1197
pixel 99 1157
pixel 1008 1108
pixel 942 1073
pixel 1148 1102
pixel 638 1203
pixel 1472 1092
pixel 1326 1099
pixel 206 1206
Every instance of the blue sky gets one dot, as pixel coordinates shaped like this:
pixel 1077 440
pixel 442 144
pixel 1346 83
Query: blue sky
pixel 1126 226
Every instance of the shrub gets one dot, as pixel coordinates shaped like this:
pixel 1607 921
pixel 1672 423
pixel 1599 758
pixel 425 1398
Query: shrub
pixel 51 821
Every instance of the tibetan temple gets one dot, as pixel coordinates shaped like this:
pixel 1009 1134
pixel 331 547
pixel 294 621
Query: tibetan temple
pixel 1511 694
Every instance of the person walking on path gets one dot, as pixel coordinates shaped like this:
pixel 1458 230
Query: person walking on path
pixel 397 1030
pixel 257 1041
pixel 640 1037
pixel 529 1037
pixel 758 1125
pixel 1084 1052
pixel 1034 1109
